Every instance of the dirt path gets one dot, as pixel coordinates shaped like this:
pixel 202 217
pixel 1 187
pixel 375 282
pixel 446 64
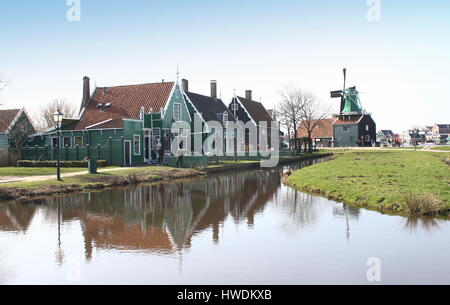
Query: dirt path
pixel 9 179
pixel 428 149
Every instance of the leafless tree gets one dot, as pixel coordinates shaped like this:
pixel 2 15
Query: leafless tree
pixel 290 111
pixel 313 113
pixel 44 117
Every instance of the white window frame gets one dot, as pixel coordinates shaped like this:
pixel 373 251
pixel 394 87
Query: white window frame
pixel 235 106
pixel 75 141
pixel 64 142
pixel 181 114
pixel 57 139
pixel 134 145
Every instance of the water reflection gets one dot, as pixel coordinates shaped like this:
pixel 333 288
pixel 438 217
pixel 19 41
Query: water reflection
pixel 257 226
pixel 416 224
pixel 152 218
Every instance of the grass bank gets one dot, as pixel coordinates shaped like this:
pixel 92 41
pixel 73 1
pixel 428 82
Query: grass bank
pixel 401 182
pixel 444 148
pixel 24 190
pixel 37 171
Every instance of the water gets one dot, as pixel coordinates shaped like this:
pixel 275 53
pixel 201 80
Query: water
pixel 236 228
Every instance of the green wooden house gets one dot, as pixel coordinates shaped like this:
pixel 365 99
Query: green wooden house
pixel 121 124
pixel 10 120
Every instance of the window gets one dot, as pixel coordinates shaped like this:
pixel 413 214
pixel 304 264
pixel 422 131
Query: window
pixel 137 144
pixel 79 142
pixel 345 128
pixel 55 142
pixel 367 127
pixel 177 112
pixel 235 107
pixel 67 141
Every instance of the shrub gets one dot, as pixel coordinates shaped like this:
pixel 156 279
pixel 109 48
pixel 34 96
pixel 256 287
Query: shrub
pixel 66 164
pixel 429 205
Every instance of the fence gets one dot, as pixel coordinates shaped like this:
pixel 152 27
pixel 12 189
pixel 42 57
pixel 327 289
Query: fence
pixel 8 157
pixel 111 152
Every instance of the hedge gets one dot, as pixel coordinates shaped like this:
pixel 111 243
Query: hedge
pixel 25 163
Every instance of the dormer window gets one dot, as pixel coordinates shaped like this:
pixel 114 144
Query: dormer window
pixel 235 107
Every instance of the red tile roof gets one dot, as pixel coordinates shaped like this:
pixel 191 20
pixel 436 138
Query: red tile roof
pixel 323 130
pixel 7 117
pixel 126 103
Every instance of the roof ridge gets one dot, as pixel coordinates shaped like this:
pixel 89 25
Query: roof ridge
pixel 135 85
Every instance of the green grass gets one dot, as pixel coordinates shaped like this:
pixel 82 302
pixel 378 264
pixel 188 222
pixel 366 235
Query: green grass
pixel 380 180
pixel 444 148
pixel 35 171
pixel 84 180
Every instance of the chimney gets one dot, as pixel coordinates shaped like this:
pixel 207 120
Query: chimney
pixel 214 89
pixel 185 85
pixel 248 95
pixel 86 92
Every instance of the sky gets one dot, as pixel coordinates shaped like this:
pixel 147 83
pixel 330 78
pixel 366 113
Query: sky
pixel 400 62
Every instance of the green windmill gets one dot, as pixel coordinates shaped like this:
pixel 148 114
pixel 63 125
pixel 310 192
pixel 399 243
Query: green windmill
pixel 350 102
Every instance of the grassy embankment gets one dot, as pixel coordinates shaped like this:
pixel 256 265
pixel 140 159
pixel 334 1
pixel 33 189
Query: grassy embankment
pixel 38 171
pixel 401 182
pixel 88 182
pixel 444 148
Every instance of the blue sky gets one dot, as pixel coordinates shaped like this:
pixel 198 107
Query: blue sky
pixel 401 64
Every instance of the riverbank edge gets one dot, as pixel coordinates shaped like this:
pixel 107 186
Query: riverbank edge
pixel 102 183
pixel 340 198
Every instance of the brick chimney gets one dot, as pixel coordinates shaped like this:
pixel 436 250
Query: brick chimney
pixel 214 89
pixel 248 95
pixel 86 92
pixel 185 85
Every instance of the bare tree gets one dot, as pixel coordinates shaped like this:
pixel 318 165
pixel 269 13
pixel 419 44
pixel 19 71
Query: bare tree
pixel 44 118
pixel 290 111
pixel 313 113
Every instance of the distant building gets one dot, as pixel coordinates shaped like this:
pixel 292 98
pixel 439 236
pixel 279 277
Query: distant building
pixel 353 126
pixel 383 136
pixel 441 133
pixel 322 135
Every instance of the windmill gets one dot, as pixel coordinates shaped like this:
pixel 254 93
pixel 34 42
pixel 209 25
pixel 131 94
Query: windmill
pixel 350 102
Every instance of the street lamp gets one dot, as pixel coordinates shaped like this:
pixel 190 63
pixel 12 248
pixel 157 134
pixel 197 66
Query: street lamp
pixel 57 118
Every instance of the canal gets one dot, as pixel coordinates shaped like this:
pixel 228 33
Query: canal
pixel 234 228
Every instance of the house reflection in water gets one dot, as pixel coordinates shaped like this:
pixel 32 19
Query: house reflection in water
pixel 153 218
